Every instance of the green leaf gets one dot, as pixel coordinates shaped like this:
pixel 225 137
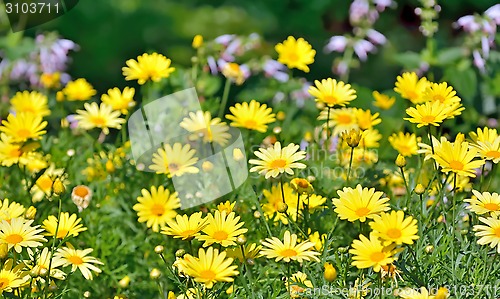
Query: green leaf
pixel 449 55
pixel 464 81
pixel 409 60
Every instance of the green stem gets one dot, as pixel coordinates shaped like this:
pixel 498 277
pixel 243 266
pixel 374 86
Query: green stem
pixel 52 249
pixel 350 165
pixel 408 192
pixel 282 190
pixel 225 95
pixel 327 142
pixel 453 227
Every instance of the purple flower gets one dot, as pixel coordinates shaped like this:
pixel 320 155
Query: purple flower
pixel 479 61
pixel 362 48
pixel 225 39
pixel 485 46
pixel 358 10
pixel 340 68
pixel 382 4
pixel 301 95
pixel 468 23
pixel 494 13
pixel 376 37
pixel 337 43
pixel 212 65
pixel 275 69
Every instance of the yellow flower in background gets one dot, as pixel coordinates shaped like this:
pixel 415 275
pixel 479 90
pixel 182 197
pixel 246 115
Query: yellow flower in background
pixel 10 210
pixel 485 135
pixel 442 293
pixel 295 53
pixel 490 233
pixel 393 227
pixel 317 239
pixel 489 150
pixel 226 206
pixel 197 41
pixel 370 252
pixel 441 92
pixel 454 109
pixel 330 272
pixel 42 259
pixel 301 186
pixel 120 100
pixel 157 207
pixel 175 161
pixel 360 203
pixel 234 72
pixel 298 284
pixel 250 251
pixel 410 87
pixel 10 152
pixel 276 160
pixel 50 80
pixel 78 90
pixel 210 267
pixel 185 227
pixel 79 259
pixel 404 143
pixel 30 102
pixel 222 229
pixel 366 120
pixel 457 158
pixel 19 233
pixel 69 226
pixel 332 92
pixel 370 139
pixel 483 203
pixel 147 67
pixel 289 249
pixel 383 101
pixel 253 116
pixel 44 184
pixel 202 125
pixel 343 119
pixel 23 126
pixel 312 202
pixel 273 203
pixel 95 116
pixel 413 294
pixel 11 277
pixel 429 113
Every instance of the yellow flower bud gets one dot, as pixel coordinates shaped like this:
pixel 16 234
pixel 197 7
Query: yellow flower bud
pixel 159 249
pixel 241 240
pixel 419 189
pixel 207 166
pixel 280 115
pixel 353 137
pixel 330 272
pixel 171 295
pixel 197 41
pixel 124 282
pixel 282 207
pixel 110 167
pixel 30 213
pixel 401 161
pixel 442 293
pixel 301 186
pixel 4 250
pixel 60 96
pixel 238 154
pixel 155 273
pixel 58 187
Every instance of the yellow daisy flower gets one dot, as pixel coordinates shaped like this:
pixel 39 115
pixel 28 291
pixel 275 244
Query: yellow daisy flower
pixel 40 261
pixel 69 226
pixel 404 143
pixel 312 202
pixel 233 72
pixel 360 203
pixel 298 284
pixel 78 90
pixel 332 92
pixel 276 160
pixel 10 210
pixel 383 101
pixel 11 277
pixel 441 92
pixel 152 67
pixel 222 229
pixel 81 196
pixel 79 259
pixel 369 139
pixel 317 239
pixel 120 100
pixel 175 161
pixel 393 227
pixel 457 158
pixel 209 267
pixel 289 249
pixel 489 150
pixel 250 251
pixel 273 203
pixel 30 102
pixel 484 203
pixel 429 113
pixel 366 120
pixel 414 294
pixel 301 186
pixel 51 80
pixel 343 119
pixel 371 253
pixel 226 206
pixel 489 233
pixel 295 53
pixel 185 227
pixel 484 135
pixel 95 116
pixel 23 126
pixel 410 87
pixel 202 124
pixel 10 152
pixel 157 207
pixel 43 185
pixel 19 233
pixel 253 116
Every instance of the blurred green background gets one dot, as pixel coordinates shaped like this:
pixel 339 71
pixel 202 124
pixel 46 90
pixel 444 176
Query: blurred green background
pixel 112 31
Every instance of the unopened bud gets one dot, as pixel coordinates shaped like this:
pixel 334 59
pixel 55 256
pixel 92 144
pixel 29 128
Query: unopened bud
pixel 419 189
pixel 250 262
pixel 207 166
pixel 241 240
pixel 155 274
pixel 180 253
pixel 159 249
pixel 330 273
pixel 4 250
pixel 282 207
pixel 86 294
pixel 30 213
pixel 429 249
pixel 401 161
pixel 124 282
pixel 353 137
pixel 277 130
pixel 58 187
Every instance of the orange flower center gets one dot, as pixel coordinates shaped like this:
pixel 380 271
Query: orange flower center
pixel 330 99
pixel 439 97
pixel 23 133
pixel 492 206
pixel 75 260
pixel 4 281
pixel 250 124
pixel 412 95
pixel 428 118
pixel 344 119
pixel 45 183
pixel 81 191
pixel 361 212
pixel 61 233
pixel 377 257
pixel 497 232
pixel 288 253
pixel 188 233
pixel 456 165
pixel 303 184
pixel 207 274
pixel 278 163
pixel 292 56
pixel 14 239
pixel 157 209
pixel 15 152
pixel 220 235
pixel 493 154
pixel 173 167
pixel 394 233
pixel 98 121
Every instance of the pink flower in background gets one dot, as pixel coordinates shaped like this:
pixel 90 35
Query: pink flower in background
pixel 275 69
pixel 494 13
pixel 362 48
pixel 376 37
pixel 468 23
pixel 337 43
